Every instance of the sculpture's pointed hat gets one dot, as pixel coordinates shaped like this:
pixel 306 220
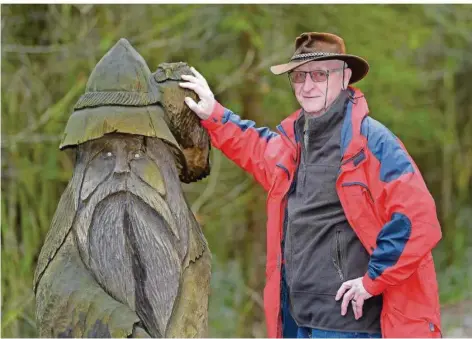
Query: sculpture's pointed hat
pixel 119 98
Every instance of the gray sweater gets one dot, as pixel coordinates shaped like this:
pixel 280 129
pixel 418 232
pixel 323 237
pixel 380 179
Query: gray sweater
pixel 321 249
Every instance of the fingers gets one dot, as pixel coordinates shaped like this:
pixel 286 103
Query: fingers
pixel 198 109
pixel 197 79
pixel 190 78
pixel 198 75
pixel 197 88
pixel 355 295
pixel 346 299
pixel 354 308
pixel 357 306
pixel 198 84
pixel 344 287
pixel 192 104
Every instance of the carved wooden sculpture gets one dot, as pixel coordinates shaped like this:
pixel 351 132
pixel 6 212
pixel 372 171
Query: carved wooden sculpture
pixel 124 255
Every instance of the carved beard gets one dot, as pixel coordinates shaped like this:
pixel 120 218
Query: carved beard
pixel 134 244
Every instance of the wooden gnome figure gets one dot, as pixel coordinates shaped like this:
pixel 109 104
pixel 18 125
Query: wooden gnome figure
pixel 124 256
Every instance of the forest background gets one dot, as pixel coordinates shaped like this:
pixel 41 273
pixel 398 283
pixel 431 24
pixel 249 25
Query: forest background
pixel 419 86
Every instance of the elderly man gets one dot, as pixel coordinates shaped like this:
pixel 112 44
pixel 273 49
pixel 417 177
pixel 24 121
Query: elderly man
pixel 351 223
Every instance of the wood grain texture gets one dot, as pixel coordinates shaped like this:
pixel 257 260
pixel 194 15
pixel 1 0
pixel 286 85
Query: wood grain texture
pixel 184 124
pixel 134 239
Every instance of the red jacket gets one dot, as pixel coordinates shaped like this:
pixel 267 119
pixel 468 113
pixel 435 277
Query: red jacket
pixel 383 196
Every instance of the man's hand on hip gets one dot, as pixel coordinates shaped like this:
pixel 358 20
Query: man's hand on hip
pixel 354 292
pixel 199 85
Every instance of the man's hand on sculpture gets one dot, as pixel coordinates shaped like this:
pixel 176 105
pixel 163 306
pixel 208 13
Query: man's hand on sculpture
pixel 356 294
pixel 199 85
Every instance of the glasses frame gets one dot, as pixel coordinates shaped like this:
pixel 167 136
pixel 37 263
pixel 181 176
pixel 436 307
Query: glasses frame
pixel 327 72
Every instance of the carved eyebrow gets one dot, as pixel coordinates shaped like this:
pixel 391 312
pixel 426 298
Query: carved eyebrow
pixel 136 142
pixel 144 144
pixel 142 141
pixel 98 146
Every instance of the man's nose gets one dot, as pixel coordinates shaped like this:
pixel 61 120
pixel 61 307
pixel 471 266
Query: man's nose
pixel 308 84
pixel 121 165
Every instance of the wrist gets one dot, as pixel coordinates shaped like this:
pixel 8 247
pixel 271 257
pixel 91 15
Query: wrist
pixel 215 117
pixel 208 113
pixel 374 287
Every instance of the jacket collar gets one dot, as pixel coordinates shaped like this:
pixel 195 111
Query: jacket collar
pixel 351 138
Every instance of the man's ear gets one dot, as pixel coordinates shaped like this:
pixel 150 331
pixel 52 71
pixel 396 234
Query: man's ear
pixel 347 76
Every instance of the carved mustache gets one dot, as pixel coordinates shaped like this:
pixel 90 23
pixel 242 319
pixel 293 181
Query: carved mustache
pixel 122 183
pixel 131 183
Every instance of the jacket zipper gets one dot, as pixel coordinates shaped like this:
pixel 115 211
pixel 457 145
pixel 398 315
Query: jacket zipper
pixel 369 193
pixel 352 157
pixel 337 261
pixel 364 187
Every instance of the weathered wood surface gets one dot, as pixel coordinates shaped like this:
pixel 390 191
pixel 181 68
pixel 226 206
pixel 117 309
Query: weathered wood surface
pixel 124 255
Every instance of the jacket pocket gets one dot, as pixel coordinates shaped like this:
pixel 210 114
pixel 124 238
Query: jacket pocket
pixel 361 213
pixel 410 326
pixel 283 176
pixel 411 309
pixel 337 254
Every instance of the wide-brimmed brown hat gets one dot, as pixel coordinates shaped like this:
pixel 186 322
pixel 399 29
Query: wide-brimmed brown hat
pixel 314 46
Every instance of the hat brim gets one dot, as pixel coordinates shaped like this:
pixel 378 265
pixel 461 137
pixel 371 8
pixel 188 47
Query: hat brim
pixel 358 66
pixel 94 122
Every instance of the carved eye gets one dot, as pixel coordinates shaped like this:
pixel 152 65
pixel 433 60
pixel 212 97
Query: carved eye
pixel 137 154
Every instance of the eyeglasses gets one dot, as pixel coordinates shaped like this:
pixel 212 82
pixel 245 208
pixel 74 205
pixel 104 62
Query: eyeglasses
pixel 317 75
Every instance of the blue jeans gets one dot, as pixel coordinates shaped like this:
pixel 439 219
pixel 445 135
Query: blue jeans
pixel 305 332
pixel 289 326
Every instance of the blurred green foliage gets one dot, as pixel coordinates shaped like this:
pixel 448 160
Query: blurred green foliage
pixel 419 86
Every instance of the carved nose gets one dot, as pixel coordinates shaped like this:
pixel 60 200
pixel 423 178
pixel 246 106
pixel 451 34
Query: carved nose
pixel 121 165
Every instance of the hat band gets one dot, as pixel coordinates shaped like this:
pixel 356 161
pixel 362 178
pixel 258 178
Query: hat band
pixel 120 98
pixel 311 55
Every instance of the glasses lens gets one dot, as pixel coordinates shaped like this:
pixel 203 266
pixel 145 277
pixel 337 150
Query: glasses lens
pixel 318 76
pixel 297 76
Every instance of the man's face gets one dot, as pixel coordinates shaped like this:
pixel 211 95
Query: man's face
pixel 312 95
